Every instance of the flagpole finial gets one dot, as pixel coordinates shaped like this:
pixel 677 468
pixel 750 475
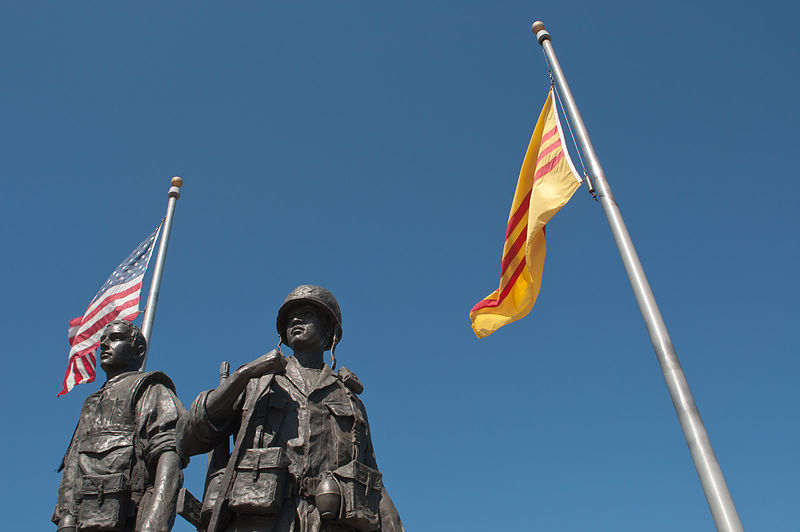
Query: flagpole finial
pixel 538 29
pixel 175 189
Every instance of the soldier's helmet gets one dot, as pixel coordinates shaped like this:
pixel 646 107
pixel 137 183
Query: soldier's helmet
pixel 320 297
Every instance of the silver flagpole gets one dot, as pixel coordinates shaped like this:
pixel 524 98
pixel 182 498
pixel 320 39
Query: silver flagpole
pixel 158 269
pixel 716 490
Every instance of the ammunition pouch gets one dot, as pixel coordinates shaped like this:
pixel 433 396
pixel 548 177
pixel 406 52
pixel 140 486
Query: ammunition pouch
pixel 260 481
pixel 361 488
pixel 104 502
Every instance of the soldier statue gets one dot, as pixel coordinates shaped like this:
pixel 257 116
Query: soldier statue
pixel 302 459
pixel 122 471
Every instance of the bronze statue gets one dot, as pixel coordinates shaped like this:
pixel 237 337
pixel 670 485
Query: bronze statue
pixel 121 470
pixel 302 457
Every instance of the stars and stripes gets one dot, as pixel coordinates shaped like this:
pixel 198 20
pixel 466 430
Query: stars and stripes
pixel 118 298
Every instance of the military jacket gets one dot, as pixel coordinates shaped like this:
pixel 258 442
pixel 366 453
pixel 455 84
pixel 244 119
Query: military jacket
pixel 311 424
pixel 124 428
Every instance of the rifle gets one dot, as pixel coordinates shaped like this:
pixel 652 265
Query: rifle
pixel 188 506
pixel 227 479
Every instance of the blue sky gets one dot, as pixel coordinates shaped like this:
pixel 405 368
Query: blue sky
pixel 373 148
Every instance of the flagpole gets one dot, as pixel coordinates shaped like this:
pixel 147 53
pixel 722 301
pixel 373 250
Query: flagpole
pixel 719 498
pixel 158 270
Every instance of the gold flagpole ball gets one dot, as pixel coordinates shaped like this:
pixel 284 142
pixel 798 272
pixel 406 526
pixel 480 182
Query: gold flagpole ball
pixel 537 26
pixel 176 182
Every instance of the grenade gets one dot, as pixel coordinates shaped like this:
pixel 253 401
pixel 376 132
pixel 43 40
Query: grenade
pixel 328 498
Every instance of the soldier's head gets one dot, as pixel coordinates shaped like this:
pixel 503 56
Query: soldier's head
pixel 310 318
pixel 122 348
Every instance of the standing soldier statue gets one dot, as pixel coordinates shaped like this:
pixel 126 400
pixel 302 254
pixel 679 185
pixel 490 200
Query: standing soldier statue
pixel 302 459
pixel 121 470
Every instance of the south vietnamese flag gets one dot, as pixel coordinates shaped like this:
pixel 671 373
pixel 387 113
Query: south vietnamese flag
pixel 546 182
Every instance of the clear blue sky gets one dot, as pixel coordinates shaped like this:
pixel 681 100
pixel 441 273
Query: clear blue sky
pixel 373 148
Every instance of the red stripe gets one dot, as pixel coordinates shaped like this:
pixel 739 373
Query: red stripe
pixel 512 251
pixel 523 207
pixel 549 134
pixel 488 303
pixel 88 362
pixel 83 352
pixel 549 166
pixel 73 329
pixel 72 369
pixel 89 366
pixel 105 320
pixel 553 146
pixel 128 291
pixel 64 383
pixel 518 214
pixel 76 373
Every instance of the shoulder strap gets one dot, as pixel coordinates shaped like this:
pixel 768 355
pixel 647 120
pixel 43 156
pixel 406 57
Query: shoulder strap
pixel 151 377
pixel 359 421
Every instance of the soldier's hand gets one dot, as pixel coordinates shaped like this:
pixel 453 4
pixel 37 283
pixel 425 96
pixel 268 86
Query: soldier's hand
pixel 272 362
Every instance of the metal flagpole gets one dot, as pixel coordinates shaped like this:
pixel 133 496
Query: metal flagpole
pixel 716 490
pixel 158 269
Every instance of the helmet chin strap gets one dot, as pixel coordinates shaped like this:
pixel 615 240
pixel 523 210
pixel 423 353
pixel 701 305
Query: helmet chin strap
pixel 334 341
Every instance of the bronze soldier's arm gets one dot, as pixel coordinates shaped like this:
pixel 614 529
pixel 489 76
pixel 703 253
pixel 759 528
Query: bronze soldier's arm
pixel 62 516
pixel 158 413
pixel 219 402
pixel 159 510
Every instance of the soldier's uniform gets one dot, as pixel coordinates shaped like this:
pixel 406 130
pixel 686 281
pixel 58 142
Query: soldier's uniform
pixel 110 464
pixel 303 426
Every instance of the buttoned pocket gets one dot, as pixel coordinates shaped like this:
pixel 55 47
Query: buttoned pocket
pixel 361 488
pixel 104 502
pixel 261 477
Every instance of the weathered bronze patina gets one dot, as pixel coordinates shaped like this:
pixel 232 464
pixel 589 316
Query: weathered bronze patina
pixel 302 457
pixel 121 471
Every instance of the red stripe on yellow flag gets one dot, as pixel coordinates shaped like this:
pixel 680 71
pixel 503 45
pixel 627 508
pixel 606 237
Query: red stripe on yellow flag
pixel 546 182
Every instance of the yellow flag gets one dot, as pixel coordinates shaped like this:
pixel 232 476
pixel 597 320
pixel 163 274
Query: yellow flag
pixel 546 182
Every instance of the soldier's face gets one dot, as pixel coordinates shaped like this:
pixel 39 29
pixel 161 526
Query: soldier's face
pixel 306 327
pixel 116 349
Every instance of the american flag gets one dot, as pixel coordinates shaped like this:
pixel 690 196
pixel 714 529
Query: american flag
pixel 118 298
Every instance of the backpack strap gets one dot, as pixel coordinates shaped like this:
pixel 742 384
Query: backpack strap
pixel 359 419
